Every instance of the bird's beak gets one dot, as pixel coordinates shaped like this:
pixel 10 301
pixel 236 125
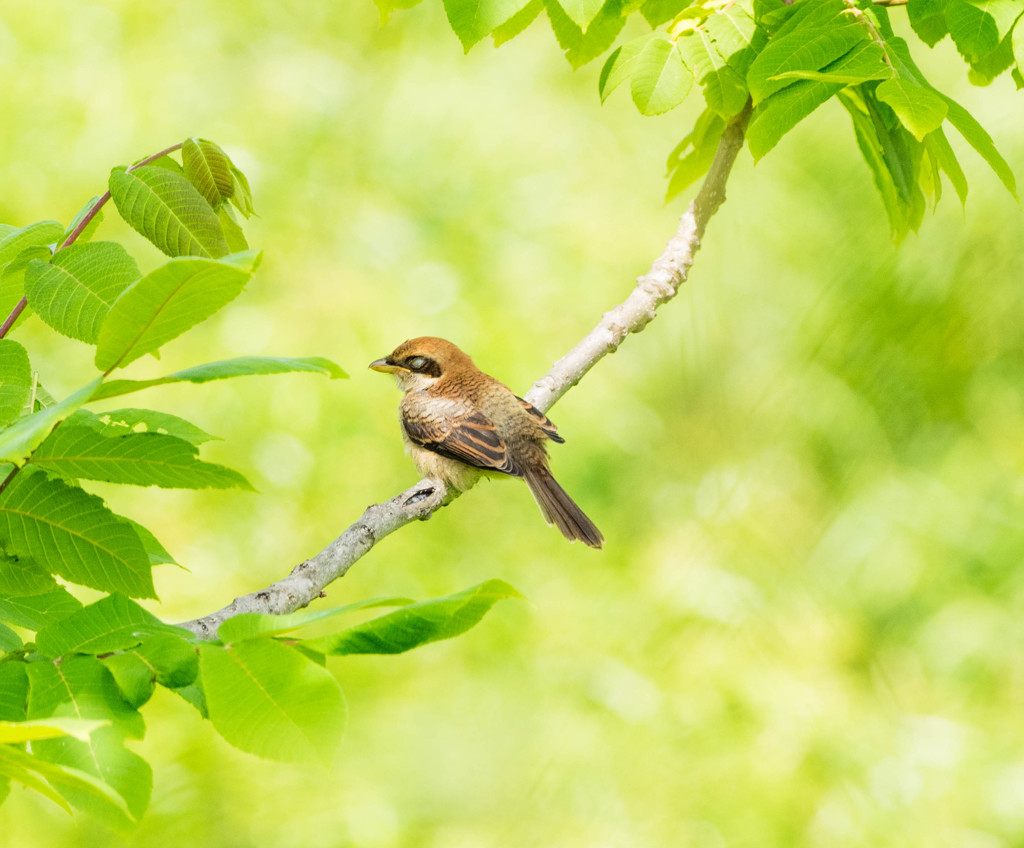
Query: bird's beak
pixel 385 367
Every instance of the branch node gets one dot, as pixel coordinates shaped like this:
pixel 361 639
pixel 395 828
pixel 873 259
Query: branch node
pixel 661 290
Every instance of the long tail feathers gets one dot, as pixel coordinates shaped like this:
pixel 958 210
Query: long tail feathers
pixel 559 509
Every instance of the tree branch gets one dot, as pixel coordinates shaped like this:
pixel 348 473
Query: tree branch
pixel 660 284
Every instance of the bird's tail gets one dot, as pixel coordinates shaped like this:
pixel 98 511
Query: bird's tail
pixel 559 509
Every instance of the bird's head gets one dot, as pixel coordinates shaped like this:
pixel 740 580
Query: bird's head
pixel 419 363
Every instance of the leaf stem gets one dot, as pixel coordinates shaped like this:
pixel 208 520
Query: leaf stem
pixel 5 328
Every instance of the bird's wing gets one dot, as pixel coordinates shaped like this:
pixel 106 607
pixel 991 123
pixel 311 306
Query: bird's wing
pixel 546 424
pixel 470 437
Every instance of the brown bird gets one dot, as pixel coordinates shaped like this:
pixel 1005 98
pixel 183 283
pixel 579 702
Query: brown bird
pixel 459 423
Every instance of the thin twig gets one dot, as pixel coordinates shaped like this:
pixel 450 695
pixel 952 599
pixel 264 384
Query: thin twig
pixel 308 579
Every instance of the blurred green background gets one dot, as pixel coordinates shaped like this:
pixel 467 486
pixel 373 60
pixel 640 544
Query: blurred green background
pixel 805 628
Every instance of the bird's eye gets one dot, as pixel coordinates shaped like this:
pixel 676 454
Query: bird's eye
pixel 417 363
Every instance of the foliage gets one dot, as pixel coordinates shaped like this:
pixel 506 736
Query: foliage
pixel 785 59
pixel 743 645
pixel 70 694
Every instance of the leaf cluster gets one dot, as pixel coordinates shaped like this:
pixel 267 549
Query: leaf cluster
pixel 782 60
pixel 71 697
pixel 73 677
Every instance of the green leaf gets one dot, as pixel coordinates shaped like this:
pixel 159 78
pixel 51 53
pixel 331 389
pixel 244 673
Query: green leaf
pixel 15 380
pixel 158 554
pixel 941 151
pixel 786 18
pixel 174 658
pixel 737 38
pixel 38 611
pixel 168 660
pixel 660 81
pixel 248 625
pixel 121 422
pixel 472 20
pixel 232 229
pixel 268 699
pixel 891 163
pixel 103 756
pixel 12 732
pixel 73 534
pixel 33 235
pixel 581 47
pixel 74 291
pixel 620 65
pixel 9 640
pixel 110 624
pixel 242 198
pixel 863 63
pixel 977 26
pixel 417 624
pixel 41 398
pixel 582 12
pixel 194 695
pixel 208 168
pixel 13 691
pixel 24 577
pixel 724 89
pixel 517 23
pixel 136 459
pixel 778 114
pixel 657 12
pixel 90 228
pixel 981 141
pixel 902 155
pixel 986 68
pixel 959 117
pixel 803 50
pixel 168 210
pixel 14 771
pixel 243 366
pixel 26 434
pixel 1018 57
pixel 918 109
pixel 133 675
pixel 165 162
pixel 167 302
pixel 928 20
pixel 80 687
pixel 694 154
pixel 86 791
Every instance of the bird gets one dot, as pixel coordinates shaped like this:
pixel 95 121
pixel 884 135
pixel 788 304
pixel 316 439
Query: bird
pixel 459 424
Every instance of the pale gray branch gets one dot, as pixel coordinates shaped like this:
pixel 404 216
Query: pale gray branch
pixel 660 284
